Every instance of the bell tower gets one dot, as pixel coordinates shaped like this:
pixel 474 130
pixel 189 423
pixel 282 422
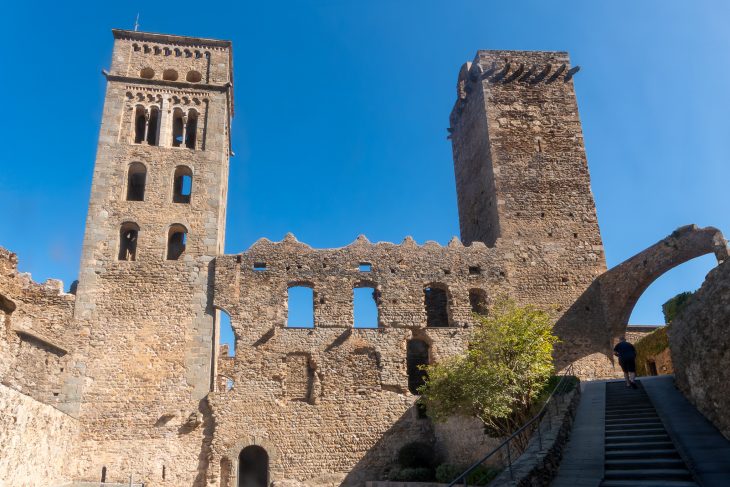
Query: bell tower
pixel 156 221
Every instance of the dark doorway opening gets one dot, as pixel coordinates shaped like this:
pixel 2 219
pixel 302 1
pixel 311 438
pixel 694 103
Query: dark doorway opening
pixel 253 467
pixel 416 355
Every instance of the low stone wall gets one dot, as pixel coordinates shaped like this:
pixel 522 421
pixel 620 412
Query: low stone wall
pixel 37 442
pixel 699 341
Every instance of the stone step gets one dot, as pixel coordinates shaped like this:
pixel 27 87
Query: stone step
pixel 642 453
pixel 633 419
pixel 643 445
pixel 637 430
pixel 649 474
pixel 634 426
pixel 648 483
pixel 637 438
pixel 644 463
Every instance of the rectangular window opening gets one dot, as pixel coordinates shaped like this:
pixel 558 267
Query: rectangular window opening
pixel 365 267
pixel 475 270
pixel 365 307
pixel 259 266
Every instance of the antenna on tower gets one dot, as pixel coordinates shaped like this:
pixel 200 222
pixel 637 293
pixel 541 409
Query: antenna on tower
pixel 136 23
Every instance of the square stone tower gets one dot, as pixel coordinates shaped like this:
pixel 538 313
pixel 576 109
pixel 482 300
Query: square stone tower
pixel 520 165
pixel 155 224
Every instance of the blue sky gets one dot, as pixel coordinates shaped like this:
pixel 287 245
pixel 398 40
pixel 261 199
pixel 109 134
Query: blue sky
pixel 342 109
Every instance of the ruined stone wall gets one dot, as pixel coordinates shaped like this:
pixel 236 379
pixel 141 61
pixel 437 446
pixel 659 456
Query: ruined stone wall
pixel 303 393
pixel 37 344
pixel 700 348
pixel 148 313
pixel 39 446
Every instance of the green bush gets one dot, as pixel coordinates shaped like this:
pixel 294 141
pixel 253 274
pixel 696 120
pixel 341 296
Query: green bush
pixel 672 307
pixel 482 475
pixel 447 472
pixel 416 454
pixel 412 474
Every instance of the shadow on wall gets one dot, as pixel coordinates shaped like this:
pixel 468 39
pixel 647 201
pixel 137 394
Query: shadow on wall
pixel 590 327
pixel 374 465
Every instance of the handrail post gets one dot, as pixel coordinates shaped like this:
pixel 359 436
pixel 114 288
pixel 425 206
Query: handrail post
pixel 509 461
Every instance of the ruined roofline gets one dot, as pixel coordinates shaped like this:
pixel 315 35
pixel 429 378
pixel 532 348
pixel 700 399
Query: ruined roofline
pixel 360 241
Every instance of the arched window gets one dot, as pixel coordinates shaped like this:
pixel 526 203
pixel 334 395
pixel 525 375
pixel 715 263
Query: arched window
pixel 365 306
pixel 253 467
pixel 140 123
pixel 300 306
pixel 478 301
pixel 182 184
pixel 176 241
pixel 193 76
pixel 136 178
pixel 169 75
pixel 436 301
pixel 147 73
pixel 177 127
pixel 128 233
pixel 417 354
pixel 153 126
pixel 191 129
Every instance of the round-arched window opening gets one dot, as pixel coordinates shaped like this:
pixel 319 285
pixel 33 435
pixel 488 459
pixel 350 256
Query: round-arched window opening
pixel 193 77
pixel 169 75
pixel 147 73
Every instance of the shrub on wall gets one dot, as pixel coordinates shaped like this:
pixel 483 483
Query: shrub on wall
pixel 675 305
pixel 649 346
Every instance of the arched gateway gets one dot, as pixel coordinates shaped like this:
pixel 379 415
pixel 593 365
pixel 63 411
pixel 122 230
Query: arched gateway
pixel 253 467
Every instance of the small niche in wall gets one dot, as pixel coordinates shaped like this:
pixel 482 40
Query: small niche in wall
pixel 475 270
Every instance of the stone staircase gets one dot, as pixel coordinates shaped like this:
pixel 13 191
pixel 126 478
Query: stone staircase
pixel 638 450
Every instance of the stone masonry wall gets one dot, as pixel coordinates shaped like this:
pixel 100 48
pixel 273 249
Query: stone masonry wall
pixel 36 349
pixel 302 393
pixel 699 341
pixel 39 446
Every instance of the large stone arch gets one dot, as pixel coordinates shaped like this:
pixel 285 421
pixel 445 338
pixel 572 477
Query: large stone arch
pixel 623 285
pixel 590 327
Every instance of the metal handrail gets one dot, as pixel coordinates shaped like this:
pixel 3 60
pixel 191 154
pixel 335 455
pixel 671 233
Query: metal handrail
pixel 461 479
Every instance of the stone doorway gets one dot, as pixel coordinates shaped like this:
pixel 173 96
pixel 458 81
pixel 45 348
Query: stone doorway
pixel 253 467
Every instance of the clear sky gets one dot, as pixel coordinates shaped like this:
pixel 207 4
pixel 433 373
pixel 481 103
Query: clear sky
pixel 342 109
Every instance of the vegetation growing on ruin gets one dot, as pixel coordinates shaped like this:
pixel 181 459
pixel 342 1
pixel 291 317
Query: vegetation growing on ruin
pixel 650 346
pixel 672 307
pixel 503 373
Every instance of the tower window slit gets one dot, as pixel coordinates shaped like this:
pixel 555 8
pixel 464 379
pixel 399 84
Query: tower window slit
pixel 128 234
pixel 177 128
pixel 136 179
pixel 140 120
pixel 191 129
pixel 183 185
pixel 176 242
pixel 153 126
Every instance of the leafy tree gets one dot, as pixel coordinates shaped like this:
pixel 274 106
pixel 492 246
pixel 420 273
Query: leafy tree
pixel 672 307
pixel 506 368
